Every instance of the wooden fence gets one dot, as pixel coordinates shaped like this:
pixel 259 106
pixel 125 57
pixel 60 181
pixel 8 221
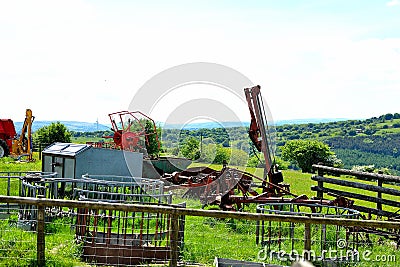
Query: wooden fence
pixel 174 213
pixel 380 188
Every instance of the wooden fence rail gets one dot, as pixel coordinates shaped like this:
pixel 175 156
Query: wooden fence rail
pixel 197 212
pixel 381 179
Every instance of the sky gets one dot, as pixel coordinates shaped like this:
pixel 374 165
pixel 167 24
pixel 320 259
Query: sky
pixel 81 60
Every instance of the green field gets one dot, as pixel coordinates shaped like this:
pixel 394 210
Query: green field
pixel 8 164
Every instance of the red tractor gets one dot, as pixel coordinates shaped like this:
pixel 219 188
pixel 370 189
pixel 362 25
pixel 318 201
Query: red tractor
pixel 13 144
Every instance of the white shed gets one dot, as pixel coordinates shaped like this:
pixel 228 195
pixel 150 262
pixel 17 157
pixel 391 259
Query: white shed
pixel 73 160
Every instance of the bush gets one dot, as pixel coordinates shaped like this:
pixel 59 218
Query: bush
pixel 190 148
pixel 305 153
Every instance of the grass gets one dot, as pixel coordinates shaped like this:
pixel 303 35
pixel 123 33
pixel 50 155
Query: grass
pixel 11 167
pixel 389 129
pixel 207 238
pixel 9 164
pixel 18 247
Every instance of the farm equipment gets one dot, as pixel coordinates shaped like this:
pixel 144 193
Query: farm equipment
pixel 230 187
pixel 16 145
pixel 260 135
pixel 136 132
pixel 133 131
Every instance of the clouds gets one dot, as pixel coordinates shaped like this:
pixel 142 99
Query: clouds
pixel 349 77
pixel 57 55
pixel 393 3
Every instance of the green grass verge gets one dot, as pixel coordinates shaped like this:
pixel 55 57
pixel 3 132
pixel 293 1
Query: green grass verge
pixel 9 164
pixel 18 247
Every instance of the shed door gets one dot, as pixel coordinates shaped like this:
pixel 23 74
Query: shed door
pixel 47 163
pixel 58 166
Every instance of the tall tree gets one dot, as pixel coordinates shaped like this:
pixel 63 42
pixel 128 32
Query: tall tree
pixel 55 132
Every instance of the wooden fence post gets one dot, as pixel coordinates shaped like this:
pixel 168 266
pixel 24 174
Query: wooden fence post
pixel 320 194
pixel 40 235
pixel 307 241
pixel 379 204
pixel 174 240
pixel 40 151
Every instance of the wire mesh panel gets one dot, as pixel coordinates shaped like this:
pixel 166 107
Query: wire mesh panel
pixel 94 233
pixel 10 182
pixel 125 238
pixel 17 243
pixel 119 237
pixel 308 241
pixel 121 189
pixel 207 238
pixel 118 189
pixel 62 248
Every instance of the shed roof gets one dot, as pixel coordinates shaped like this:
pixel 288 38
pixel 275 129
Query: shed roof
pixel 67 149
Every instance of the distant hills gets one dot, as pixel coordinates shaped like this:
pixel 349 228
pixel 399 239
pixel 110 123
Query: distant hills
pixel 78 126
pixel 231 124
pixel 372 143
pixel 204 125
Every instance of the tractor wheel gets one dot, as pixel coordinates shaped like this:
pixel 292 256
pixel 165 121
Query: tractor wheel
pixel 4 150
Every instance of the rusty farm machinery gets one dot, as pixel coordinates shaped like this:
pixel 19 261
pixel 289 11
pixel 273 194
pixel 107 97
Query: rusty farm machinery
pixel 230 188
pixel 132 131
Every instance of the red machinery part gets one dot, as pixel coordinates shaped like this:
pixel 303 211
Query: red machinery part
pixel 117 138
pixel 130 129
pixel 130 141
pixel 7 131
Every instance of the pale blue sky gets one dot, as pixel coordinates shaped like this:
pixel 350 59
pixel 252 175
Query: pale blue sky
pixel 80 60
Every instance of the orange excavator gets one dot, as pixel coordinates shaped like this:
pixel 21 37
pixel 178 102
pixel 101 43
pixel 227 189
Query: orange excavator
pixel 13 144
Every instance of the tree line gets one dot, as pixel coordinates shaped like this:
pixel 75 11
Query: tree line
pixel 374 141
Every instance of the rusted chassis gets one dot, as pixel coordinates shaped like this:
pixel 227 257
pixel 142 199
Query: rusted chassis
pixel 231 188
